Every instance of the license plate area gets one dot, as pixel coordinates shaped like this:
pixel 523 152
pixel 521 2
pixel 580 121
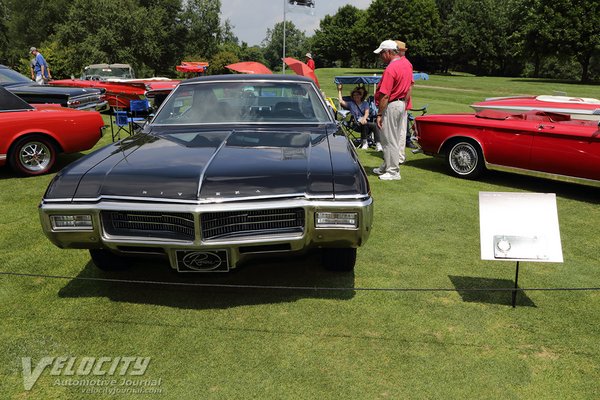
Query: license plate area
pixel 202 261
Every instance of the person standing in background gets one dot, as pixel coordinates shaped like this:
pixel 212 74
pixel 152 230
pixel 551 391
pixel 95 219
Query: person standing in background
pixel 40 68
pixel 309 61
pixel 392 96
pixel 402 51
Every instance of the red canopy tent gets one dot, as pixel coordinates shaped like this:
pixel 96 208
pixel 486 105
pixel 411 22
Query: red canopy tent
pixel 301 69
pixel 249 67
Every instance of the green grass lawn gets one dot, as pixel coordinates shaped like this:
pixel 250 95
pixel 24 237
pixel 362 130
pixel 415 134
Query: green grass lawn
pixel 228 343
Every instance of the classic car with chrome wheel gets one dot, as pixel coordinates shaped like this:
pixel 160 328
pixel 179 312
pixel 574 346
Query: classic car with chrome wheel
pixel 232 167
pixel 31 136
pixel 535 143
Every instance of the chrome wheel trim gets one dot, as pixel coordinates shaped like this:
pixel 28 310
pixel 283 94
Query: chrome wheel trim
pixel 35 156
pixel 463 158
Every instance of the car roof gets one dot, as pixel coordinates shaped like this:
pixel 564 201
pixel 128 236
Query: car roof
pixel 249 77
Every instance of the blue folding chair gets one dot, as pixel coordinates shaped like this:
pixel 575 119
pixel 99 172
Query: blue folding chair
pixel 139 111
pixel 121 121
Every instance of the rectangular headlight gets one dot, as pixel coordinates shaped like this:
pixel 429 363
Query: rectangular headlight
pixel 70 222
pixel 336 220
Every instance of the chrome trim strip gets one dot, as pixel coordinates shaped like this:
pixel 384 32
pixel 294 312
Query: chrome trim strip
pixel 3 157
pixel 18 110
pixel 575 111
pixel 350 196
pixel 202 201
pixel 251 205
pixel 541 174
pixel 201 179
pixel 249 123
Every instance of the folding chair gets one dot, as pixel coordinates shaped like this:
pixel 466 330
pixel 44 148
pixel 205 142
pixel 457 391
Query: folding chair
pixel 411 135
pixel 139 111
pixel 121 121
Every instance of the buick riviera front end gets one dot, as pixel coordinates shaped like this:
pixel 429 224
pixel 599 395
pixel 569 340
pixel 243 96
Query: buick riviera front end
pixel 230 168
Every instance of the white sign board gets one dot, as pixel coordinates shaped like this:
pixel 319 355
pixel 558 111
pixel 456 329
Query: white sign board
pixel 519 227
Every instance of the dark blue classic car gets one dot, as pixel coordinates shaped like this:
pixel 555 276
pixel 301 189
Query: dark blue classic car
pixel 71 97
pixel 231 167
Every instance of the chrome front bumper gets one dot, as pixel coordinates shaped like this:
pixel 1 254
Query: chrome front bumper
pixel 238 248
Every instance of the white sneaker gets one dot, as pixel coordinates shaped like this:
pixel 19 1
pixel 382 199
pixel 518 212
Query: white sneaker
pixel 389 177
pixel 365 145
pixel 378 171
pixel 378 147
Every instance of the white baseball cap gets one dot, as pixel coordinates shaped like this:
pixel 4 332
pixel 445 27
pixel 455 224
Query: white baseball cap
pixel 386 45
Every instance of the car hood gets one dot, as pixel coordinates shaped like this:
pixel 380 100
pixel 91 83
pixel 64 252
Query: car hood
pixel 204 165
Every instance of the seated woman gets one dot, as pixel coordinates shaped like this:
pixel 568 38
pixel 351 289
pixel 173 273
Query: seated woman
pixel 359 109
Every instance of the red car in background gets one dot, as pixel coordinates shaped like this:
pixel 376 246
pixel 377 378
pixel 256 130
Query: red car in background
pixel 119 92
pixel 535 143
pixel 31 136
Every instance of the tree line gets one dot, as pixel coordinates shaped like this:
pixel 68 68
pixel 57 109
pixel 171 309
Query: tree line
pixel 558 39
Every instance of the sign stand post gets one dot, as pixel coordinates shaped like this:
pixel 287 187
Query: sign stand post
pixel 514 293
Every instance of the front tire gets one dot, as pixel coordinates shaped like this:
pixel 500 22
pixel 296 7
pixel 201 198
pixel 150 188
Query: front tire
pixel 32 155
pixel 465 159
pixel 107 260
pixel 339 259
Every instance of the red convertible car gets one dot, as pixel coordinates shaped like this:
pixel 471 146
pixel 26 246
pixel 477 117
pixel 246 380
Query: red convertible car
pixel 32 135
pixel 119 92
pixel 535 143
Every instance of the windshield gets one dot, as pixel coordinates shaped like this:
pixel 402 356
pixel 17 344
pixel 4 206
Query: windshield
pixel 232 102
pixel 8 77
pixel 107 72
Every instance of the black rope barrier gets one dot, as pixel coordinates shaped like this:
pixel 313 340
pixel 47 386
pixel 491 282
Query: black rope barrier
pixel 299 288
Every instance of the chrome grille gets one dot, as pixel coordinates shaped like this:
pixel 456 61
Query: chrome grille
pixel 178 226
pixel 217 225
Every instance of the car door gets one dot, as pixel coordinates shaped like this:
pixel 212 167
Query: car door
pixel 568 148
pixel 508 143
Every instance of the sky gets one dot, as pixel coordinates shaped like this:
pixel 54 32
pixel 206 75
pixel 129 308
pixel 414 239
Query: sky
pixel 252 18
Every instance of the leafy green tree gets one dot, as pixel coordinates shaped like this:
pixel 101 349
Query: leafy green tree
pixel 3 32
pixel 337 37
pixel 415 22
pixel 202 22
pixel 252 53
pixel 295 44
pixel 30 23
pixel 478 34
pixel 162 35
pixel 534 35
pixel 220 60
pixel 148 38
pixel 582 32
pixel 554 31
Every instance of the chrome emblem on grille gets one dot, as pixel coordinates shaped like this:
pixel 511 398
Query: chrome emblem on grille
pixel 202 261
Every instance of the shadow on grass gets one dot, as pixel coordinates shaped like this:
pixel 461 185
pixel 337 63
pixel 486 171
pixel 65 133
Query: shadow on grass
pixel 300 271
pixel 488 297
pixel 567 190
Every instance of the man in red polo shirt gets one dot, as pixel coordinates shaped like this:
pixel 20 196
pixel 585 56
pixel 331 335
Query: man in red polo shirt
pixel 392 98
